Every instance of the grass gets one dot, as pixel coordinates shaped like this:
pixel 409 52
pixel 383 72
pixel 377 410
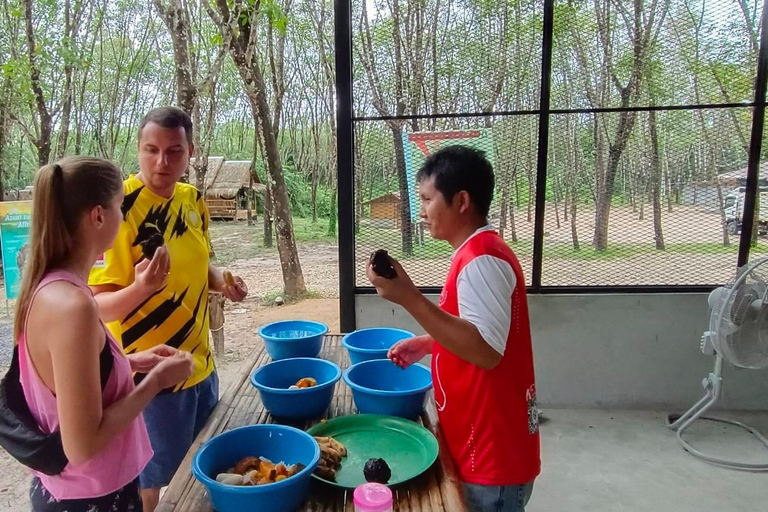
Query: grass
pixel 233 241
pixel 434 249
pixel 236 240
pixel 307 231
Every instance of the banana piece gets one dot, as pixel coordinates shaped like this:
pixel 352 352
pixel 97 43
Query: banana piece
pixel 338 447
pixel 326 473
pixel 229 479
pixel 333 444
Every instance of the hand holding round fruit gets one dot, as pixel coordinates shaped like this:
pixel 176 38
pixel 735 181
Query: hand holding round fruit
pixel 152 273
pixel 381 265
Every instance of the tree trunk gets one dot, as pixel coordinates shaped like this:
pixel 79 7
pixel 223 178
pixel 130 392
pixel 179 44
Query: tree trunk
pixel 723 219
pixel 512 227
pixel 332 220
pixel 313 194
pixel 177 23
pixel 574 230
pixel 268 214
pixel 5 123
pixel 574 161
pixel 605 192
pixel 406 229
pixel 43 139
pixel 281 206
pixel 655 181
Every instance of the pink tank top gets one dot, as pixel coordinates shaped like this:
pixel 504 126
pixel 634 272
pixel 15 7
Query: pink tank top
pixel 121 461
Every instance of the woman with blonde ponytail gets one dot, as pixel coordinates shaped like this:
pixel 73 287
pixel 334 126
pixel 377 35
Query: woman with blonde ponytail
pixel 76 381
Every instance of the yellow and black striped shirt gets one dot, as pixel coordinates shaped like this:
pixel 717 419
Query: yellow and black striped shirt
pixel 176 315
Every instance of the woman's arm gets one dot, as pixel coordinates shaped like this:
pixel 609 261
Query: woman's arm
pixel 85 428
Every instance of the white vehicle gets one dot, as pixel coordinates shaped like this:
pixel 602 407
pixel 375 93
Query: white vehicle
pixel 734 207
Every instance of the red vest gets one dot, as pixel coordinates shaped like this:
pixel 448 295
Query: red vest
pixel 489 417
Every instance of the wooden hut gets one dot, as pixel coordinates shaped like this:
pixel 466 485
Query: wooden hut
pixel 228 186
pixel 386 207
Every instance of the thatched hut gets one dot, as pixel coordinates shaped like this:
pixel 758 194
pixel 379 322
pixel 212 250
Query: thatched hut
pixel 229 187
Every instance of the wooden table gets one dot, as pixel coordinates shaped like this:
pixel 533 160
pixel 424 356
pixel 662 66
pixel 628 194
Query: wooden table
pixel 437 490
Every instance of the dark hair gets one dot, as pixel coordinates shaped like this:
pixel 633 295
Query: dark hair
pixel 63 192
pixel 168 117
pixel 457 168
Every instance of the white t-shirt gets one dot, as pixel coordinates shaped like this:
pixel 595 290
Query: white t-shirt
pixel 485 287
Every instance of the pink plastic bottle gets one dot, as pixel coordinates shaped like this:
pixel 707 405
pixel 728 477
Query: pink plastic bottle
pixel 373 497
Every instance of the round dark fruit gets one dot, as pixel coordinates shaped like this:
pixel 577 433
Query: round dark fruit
pixel 152 244
pixel 381 265
pixel 377 470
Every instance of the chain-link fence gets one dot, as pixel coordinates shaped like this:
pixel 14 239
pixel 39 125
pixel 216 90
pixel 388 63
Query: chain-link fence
pixel 649 123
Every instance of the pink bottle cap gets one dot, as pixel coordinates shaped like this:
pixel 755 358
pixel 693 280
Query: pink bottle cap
pixel 373 497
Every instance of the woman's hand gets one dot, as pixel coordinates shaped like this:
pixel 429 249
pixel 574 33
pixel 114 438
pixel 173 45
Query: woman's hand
pixel 146 360
pixel 172 370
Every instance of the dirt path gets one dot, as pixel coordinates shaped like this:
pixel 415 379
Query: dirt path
pixel 243 321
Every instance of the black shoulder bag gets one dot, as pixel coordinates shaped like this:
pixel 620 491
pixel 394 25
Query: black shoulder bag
pixel 19 433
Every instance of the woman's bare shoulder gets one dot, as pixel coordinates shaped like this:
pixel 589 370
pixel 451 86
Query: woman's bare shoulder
pixel 63 303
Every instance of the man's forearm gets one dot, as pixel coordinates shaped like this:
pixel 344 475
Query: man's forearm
pixel 119 303
pixel 215 279
pixel 452 332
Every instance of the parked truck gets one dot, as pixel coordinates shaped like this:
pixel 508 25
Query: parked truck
pixel 734 210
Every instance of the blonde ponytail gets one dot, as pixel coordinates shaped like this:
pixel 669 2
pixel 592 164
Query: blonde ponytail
pixel 63 192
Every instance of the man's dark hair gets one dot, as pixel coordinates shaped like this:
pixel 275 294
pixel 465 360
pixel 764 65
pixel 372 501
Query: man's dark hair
pixel 457 168
pixel 168 117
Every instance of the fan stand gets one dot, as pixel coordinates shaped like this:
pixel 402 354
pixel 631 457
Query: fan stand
pixel 713 388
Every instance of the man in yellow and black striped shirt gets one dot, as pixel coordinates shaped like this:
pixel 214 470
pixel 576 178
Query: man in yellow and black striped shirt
pixel 164 301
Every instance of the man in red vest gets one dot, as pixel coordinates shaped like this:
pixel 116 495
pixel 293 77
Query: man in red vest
pixel 479 336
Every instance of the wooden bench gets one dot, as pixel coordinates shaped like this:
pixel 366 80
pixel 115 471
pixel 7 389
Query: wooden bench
pixel 222 208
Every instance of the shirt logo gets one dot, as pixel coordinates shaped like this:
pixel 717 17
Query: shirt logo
pixel 443 297
pixel 193 218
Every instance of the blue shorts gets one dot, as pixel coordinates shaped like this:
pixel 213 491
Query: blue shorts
pixel 495 498
pixel 173 422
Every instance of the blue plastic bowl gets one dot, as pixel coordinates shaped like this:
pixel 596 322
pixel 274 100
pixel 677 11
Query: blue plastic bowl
pixel 381 387
pixel 374 343
pixel 277 443
pixel 293 338
pixel 274 379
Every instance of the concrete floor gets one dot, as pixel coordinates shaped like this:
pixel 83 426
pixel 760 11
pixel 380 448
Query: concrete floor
pixel 615 461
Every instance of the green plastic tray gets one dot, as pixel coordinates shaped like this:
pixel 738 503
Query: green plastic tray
pixel 408 448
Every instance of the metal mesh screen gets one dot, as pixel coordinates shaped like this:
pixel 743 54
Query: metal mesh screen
pixel 667 220
pixel 649 132
pixel 511 144
pixel 759 236
pixel 684 52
